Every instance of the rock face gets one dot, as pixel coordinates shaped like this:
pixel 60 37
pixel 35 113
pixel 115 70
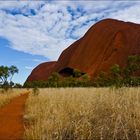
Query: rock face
pixel 106 43
pixel 41 72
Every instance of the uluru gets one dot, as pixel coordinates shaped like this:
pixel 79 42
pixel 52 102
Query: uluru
pixel 106 43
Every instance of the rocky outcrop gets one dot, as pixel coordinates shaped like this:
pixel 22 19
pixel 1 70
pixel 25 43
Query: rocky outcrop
pixel 41 72
pixel 106 43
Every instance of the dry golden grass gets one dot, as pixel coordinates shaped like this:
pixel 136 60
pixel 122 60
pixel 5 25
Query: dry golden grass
pixel 83 113
pixel 6 96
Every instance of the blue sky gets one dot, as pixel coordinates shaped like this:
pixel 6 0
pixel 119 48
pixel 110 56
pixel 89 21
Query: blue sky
pixel 32 32
pixel 24 61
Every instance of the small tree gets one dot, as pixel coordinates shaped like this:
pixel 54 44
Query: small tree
pixel 12 70
pixel 85 80
pixel 71 81
pixel 77 73
pixel 17 85
pixel 5 73
pixel 116 75
pixel 53 80
pixel 35 91
pixel 101 80
pixel 133 65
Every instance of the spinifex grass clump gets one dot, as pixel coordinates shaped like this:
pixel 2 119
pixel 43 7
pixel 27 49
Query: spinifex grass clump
pixel 84 113
pixel 35 91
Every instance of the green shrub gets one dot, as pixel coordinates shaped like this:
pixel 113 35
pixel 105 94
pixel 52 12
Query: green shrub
pixel 77 73
pixel 117 77
pixel 35 91
pixel 53 80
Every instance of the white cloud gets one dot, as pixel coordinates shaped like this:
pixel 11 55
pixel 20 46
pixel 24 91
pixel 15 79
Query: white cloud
pixel 28 67
pixel 37 60
pixel 130 14
pixel 53 26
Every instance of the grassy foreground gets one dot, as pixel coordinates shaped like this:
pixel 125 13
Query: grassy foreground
pixel 83 113
pixel 6 96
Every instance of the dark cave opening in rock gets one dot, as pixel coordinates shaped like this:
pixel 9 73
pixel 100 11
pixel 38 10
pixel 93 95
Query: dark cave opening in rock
pixel 66 72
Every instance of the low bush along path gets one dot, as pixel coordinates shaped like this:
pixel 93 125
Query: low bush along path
pixel 11 119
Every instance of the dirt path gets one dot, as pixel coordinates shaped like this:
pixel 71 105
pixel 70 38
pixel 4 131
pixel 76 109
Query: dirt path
pixel 11 121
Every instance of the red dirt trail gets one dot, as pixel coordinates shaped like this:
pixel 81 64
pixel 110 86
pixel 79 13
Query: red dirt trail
pixel 11 119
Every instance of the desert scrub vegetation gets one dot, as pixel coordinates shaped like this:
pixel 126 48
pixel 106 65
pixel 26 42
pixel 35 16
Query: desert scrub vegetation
pixel 7 95
pixel 117 76
pixel 83 113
